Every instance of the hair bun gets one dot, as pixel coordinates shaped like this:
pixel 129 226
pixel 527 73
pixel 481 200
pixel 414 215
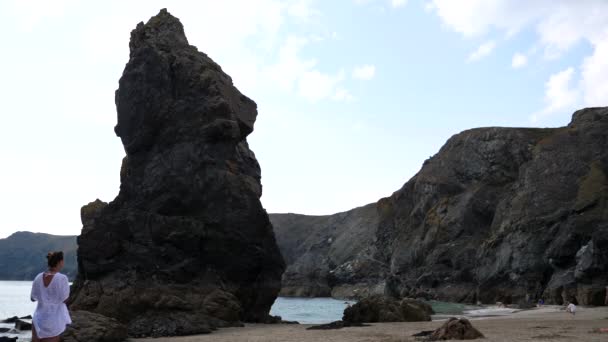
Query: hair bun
pixel 54 258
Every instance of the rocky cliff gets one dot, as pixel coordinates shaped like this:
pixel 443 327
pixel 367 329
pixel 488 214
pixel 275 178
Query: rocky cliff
pixel 319 250
pixel 186 246
pixel 498 214
pixel 23 254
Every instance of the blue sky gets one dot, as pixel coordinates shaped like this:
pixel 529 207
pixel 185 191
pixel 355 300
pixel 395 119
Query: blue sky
pixel 353 95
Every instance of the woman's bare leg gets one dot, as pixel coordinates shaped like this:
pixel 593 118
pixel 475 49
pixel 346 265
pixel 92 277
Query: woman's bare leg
pixel 34 336
pixel 50 339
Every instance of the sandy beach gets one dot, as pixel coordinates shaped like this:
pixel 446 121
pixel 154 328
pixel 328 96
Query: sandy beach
pixel 544 324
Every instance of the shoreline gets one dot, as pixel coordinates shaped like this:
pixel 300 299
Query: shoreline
pixel 539 324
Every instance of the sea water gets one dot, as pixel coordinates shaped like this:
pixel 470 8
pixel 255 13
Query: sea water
pixel 15 301
pixel 309 310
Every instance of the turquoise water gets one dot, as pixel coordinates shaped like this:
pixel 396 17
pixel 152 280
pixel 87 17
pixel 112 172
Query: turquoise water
pixel 309 310
pixel 445 308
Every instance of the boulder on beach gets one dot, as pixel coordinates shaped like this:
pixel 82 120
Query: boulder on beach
pixel 91 327
pixel 456 329
pixel 7 339
pixel 10 319
pixel 379 308
pixel 186 246
pixel 23 325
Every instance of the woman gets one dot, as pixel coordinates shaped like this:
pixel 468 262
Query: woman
pixel 50 289
pixel 571 308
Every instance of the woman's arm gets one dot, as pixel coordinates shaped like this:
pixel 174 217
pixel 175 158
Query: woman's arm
pixel 65 289
pixel 34 292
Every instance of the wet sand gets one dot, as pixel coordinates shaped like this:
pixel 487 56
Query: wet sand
pixel 545 324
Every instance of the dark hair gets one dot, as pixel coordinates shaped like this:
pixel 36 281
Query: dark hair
pixel 53 258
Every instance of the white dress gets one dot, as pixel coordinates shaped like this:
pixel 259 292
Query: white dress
pixel 51 314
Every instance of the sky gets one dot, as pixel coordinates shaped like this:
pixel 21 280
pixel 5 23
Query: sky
pixel 353 95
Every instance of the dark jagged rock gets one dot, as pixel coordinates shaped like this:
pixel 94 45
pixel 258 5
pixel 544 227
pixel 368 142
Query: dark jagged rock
pixel 4 330
pixel 278 320
pixel 497 215
pixel 23 254
pixel 329 255
pixel 329 326
pixel 8 339
pixel 92 327
pixel 337 325
pixel 11 319
pixel 23 325
pixel 523 305
pixel 423 333
pixel 187 243
pixel 456 329
pixel 379 308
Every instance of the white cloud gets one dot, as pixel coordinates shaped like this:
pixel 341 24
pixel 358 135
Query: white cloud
pixel 303 10
pixel 253 52
pixel 398 3
pixel 560 95
pixel 295 73
pixel 364 72
pixel 314 85
pixel 290 65
pixel 594 75
pixel 343 95
pixel 519 60
pixel 559 23
pixel 476 17
pixel 392 3
pixel 482 51
pixel 31 13
pixel 559 26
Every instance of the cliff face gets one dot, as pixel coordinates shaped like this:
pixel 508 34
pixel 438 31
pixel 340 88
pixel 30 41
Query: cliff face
pixel 498 214
pixel 23 254
pixel 186 246
pixel 328 255
pixel 505 214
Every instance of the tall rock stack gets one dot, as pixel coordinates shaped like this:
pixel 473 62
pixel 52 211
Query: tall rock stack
pixel 186 246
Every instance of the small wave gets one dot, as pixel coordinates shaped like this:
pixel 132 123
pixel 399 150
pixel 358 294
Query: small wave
pixel 491 311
